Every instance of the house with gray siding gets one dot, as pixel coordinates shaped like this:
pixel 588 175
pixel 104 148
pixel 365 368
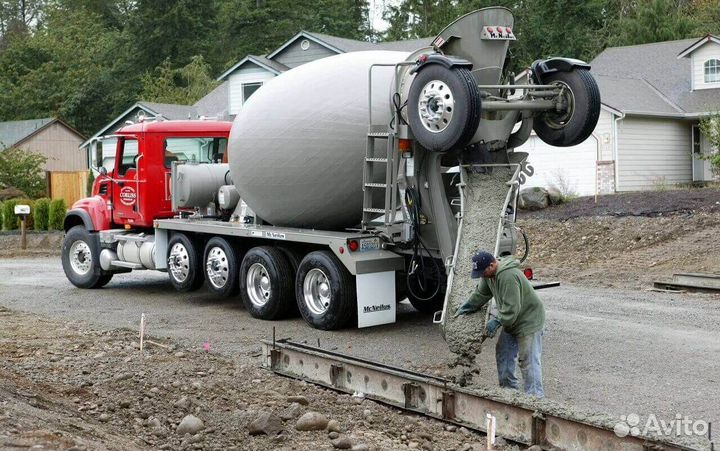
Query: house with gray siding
pixel 241 80
pixel 249 74
pixel 647 137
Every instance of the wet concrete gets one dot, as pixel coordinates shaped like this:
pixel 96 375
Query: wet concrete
pixel 484 202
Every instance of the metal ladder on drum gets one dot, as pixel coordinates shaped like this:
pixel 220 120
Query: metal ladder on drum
pixel 371 185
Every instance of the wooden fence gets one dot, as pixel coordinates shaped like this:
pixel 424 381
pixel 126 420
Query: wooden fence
pixel 68 185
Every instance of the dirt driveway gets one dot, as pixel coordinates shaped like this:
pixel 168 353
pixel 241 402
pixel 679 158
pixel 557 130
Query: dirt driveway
pixel 606 350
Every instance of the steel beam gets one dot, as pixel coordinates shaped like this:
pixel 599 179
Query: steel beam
pixel 439 398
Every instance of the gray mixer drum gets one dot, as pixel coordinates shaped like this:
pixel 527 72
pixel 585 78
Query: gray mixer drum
pixel 297 148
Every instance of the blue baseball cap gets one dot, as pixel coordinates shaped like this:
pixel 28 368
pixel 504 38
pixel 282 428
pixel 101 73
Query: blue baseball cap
pixel 481 261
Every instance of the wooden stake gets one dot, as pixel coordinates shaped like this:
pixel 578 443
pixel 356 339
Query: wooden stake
pixel 142 331
pixel 23 236
pixel 490 428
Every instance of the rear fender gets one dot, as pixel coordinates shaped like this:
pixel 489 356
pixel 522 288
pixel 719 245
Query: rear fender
pixel 91 212
pixel 540 68
pixel 443 60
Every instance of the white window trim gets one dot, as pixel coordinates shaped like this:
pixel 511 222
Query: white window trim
pixel 242 88
pixel 715 66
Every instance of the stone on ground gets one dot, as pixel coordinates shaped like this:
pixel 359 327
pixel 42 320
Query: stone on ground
pixel 190 425
pixel 266 423
pixel 312 421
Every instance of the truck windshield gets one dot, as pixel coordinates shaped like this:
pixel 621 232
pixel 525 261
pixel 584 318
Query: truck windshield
pixel 200 150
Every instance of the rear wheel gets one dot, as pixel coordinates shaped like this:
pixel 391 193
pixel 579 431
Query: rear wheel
pixel 443 107
pixel 184 261
pixel 581 96
pixel 426 286
pixel 294 257
pixel 266 287
pixel 325 291
pixel 221 267
pixel 80 259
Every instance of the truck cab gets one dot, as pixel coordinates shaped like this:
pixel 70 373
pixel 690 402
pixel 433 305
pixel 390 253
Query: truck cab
pixel 137 189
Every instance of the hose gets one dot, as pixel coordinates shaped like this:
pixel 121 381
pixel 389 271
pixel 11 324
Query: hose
pixel 416 266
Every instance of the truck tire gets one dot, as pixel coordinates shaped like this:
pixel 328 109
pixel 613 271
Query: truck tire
pixel 265 287
pixel 429 297
pixel 443 107
pixel 184 263
pixel 325 291
pixel 294 257
pixel 81 259
pixel 577 124
pixel 221 267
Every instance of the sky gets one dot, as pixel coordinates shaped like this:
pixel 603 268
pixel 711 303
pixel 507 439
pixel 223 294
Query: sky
pixel 376 8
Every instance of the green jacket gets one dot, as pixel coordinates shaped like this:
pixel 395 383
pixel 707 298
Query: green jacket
pixel 520 310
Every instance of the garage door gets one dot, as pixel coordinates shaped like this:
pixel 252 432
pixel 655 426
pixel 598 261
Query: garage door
pixel 571 169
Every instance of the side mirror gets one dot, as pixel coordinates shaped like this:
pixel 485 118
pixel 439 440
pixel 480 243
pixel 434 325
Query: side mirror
pixel 102 171
pixel 98 154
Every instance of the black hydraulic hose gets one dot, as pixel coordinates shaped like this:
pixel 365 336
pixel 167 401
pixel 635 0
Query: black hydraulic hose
pixel 416 266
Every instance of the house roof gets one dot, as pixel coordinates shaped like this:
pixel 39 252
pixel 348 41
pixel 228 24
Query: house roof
pixel 169 111
pixel 653 78
pixel 13 132
pixel 344 45
pixel 699 43
pixel 215 103
pixel 261 61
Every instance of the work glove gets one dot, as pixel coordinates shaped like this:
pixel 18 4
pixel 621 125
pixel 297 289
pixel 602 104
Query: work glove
pixel 491 327
pixel 464 310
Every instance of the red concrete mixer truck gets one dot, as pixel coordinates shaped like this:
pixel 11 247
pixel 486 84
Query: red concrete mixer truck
pixel 344 185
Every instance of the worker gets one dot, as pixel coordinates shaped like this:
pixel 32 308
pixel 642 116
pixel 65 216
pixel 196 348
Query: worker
pixel 520 314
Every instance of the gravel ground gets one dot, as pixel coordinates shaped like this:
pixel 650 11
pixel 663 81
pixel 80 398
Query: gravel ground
pixel 627 252
pixel 646 203
pixel 64 386
pixel 606 350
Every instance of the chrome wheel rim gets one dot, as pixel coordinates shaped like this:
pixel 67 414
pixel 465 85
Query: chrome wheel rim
pixel 258 285
pixel 436 106
pixel 179 262
pixel 557 120
pixel 217 267
pixel 80 257
pixel 316 291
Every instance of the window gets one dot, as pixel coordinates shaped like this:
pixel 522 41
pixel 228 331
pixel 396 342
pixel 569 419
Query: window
pixel 249 89
pixel 712 71
pixel 696 139
pixel 129 156
pixel 196 150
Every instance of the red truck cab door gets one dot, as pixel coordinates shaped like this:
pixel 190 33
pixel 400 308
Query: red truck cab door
pixel 127 184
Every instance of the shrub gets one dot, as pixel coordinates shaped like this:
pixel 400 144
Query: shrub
pixel 23 170
pixel 42 213
pixel 1 215
pixel 58 208
pixel 9 219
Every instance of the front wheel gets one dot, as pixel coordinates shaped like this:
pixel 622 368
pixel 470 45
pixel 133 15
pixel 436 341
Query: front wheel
pixel 80 259
pixel 325 291
pixel 576 123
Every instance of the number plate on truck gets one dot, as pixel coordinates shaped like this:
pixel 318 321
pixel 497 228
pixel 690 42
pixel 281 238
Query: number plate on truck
pixel 369 244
